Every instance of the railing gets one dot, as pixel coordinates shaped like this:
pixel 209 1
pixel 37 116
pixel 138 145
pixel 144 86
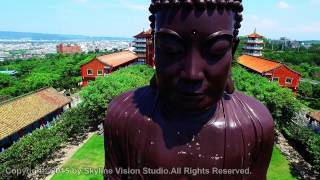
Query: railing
pixel 253 47
pixel 255 41
pixel 139 50
pixel 253 54
pixel 140 40
pixel 139 45
pixel 141 55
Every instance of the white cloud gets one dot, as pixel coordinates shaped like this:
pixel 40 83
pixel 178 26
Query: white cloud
pixel 283 5
pixel 263 25
pixel 263 22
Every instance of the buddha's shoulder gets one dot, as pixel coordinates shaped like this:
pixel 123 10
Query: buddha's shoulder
pixel 253 107
pixel 131 104
pixel 248 100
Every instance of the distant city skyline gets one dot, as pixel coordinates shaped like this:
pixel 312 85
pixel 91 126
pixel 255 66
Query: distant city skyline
pixel 295 19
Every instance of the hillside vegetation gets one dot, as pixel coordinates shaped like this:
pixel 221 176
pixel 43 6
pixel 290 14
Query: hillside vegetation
pixel 56 70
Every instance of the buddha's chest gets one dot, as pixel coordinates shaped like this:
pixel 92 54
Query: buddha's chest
pixel 194 152
pixel 210 146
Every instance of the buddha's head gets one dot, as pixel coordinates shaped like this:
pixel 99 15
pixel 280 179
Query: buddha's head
pixel 195 41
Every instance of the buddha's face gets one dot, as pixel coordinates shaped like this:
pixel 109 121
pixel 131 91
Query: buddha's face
pixel 193 56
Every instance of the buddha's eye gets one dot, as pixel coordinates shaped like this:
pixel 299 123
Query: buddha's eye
pixel 216 49
pixel 170 49
pixel 169 46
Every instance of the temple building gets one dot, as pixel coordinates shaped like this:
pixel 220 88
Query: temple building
pixel 68 49
pixel 106 64
pixel 254 45
pixel 144 48
pixel 272 70
pixel 21 115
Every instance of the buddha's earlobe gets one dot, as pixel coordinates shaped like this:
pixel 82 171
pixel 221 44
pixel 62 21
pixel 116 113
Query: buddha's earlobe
pixel 153 82
pixel 230 85
pixel 235 46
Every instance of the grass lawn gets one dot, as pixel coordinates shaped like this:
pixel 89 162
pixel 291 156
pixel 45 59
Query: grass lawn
pixel 279 167
pixel 87 163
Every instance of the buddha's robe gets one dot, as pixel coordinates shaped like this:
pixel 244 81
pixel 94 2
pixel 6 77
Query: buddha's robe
pixel 238 135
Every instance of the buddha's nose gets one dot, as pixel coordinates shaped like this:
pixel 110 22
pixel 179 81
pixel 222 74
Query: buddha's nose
pixel 192 74
pixel 193 67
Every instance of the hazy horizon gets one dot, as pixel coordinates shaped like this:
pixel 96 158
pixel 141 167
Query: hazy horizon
pixel 294 19
pixel 44 33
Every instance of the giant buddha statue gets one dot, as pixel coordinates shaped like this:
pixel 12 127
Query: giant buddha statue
pixel 190 117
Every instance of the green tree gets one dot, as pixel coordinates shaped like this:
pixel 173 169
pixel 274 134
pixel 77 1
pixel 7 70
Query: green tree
pixel 305 89
pixel 316 91
pixel 100 93
pixel 6 80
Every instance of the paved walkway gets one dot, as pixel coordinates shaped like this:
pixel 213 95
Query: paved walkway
pixel 68 152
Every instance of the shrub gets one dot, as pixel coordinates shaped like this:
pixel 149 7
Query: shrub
pixel 283 106
pixel 100 93
pixel 37 147
pixel 281 102
pixel 33 149
pixel 306 139
pixel 74 122
pixel 29 152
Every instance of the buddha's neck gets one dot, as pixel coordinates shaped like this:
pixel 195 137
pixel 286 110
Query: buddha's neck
pixel 172 114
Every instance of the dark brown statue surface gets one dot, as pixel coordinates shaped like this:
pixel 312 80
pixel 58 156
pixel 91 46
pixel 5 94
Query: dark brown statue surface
pixel 190 118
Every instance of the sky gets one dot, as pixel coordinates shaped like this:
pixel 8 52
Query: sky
pixel 295 19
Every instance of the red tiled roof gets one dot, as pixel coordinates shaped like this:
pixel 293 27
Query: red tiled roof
pixel 17 113
pixel 143 34
pixel 257 64
pixel 140 35
pixel 255 35
pixel 315 115
pixel 117 59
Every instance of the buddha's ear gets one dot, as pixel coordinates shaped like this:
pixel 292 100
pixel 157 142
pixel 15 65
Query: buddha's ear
pixel 235 45
pixel 153 82
pixel 230 84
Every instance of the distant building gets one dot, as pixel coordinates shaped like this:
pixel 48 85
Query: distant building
pixel 11 73
pixel 68 49
pixel 144 48
pixel 104 65
pixel 272 70
pixel 254 45
pixel 21 115
pixel 295 44
pixel 306 45
pixel 284 43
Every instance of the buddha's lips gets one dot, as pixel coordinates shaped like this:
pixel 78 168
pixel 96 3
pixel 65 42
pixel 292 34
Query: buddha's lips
pixel 191 93
pixel 193 97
